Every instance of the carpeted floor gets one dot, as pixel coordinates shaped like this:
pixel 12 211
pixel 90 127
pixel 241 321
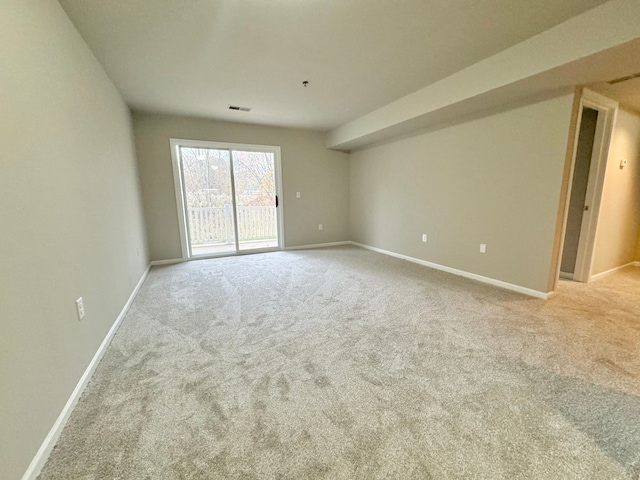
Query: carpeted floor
pixel 341 363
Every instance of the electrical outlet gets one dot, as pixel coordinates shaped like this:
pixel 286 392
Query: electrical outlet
pixel 297 194
pixel 320 227
pixel 483 248
pixel 424 237
pixel 80 308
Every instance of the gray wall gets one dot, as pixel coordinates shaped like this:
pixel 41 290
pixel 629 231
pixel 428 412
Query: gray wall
pixel 619 219
pixel 71 218
pixel 321 175
pixel 495 180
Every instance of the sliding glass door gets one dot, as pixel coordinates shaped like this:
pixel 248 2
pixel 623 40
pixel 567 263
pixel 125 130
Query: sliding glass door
pixel 208 200
pixel 255 194
pixel 227 197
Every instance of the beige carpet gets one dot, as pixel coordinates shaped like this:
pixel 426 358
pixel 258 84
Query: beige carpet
pixel 342 363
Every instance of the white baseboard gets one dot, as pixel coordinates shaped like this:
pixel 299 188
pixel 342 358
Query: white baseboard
pixel 49 442
pixel 566 276
pixel 319 245
pixel 613 270
pixel 170 261
pixel 462 273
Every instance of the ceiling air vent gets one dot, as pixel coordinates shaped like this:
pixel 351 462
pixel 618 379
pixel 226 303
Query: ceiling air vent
pixel 623 79
pixel 239 109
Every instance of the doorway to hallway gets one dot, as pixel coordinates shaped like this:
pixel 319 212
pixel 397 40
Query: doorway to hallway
pixel 596 117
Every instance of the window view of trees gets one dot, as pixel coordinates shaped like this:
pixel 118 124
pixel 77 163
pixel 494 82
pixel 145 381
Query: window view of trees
pixel 208 183
pixel 208 194
pixel 255 178
pixel 207 180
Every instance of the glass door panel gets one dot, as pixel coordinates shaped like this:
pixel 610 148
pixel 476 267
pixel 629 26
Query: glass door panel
pixel 208 201
pixel 255 194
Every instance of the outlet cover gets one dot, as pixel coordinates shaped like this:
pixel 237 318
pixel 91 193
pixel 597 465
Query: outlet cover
pixel 424 237
pixel 320 227
pixel 80 308
pixel 483 248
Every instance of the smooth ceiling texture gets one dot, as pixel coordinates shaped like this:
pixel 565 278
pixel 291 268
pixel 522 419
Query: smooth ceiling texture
pixel 196 58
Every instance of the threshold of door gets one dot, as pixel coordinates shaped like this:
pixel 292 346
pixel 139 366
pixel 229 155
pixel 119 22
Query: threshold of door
pixel 233 254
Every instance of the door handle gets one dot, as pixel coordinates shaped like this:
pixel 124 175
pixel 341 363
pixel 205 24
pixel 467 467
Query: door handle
pixel 276 201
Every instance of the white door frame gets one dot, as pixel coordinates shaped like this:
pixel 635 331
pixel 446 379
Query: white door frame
pixel 176 143
pixel 607 112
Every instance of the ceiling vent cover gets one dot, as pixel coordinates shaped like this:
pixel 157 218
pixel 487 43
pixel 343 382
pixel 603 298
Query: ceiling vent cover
pixel 240 109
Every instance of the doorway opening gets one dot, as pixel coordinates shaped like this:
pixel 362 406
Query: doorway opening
pixel 577 200
pixel 227 197
pixel 596 117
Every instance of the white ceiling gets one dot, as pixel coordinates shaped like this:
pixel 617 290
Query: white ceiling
pixel 197 57
pixel 627 93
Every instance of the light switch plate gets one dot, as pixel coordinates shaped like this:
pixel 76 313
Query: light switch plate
pixel 80 308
